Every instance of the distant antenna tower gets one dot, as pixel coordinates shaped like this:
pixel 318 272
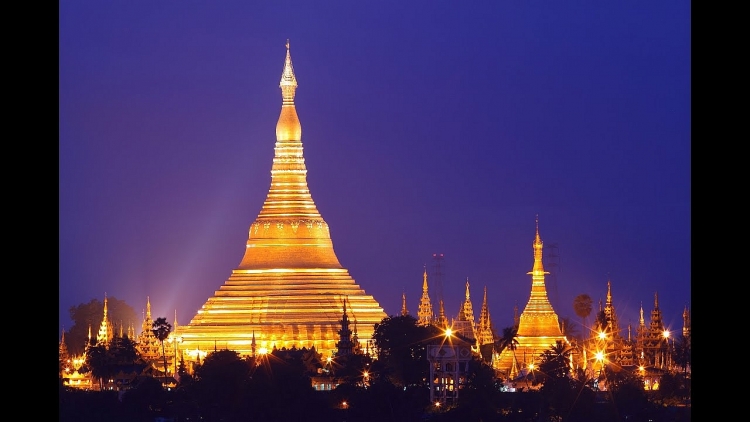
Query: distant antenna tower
pixel 552 264
pixel 437 275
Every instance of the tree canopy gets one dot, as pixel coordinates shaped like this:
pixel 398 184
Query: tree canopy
pixel 90 314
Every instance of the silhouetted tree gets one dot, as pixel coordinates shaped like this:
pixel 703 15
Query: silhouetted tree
pixel 509 340
pixel 220 384
pixel 98 360
pixel 145 399
pixel 402 350
pixel 555 361
pixel 682 352
pixel 628 394
pixel 90 314
pixel 123 350
pixel 480 395
pixel 161 329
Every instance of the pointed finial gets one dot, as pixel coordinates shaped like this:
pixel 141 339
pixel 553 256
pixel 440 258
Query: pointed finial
pixel 288 82
pixel 467 288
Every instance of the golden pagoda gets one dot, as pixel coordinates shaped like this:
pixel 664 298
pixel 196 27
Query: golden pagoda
pixel 538 326
pixel 424 313
pixel 106 329
pixel 289 289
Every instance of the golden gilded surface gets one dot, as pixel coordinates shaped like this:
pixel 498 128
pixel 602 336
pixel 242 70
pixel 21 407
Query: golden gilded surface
pixel 289 289
pixel 538 326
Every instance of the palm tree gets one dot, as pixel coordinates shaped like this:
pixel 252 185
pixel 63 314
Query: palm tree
pixel 161 329
pixel 682 353
pixel 99 362
pixel 582 305
pixel 555 361
pixel 509 340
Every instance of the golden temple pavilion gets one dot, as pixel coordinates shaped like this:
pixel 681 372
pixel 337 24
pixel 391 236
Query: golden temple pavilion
pixel 538 326
pixel 289 289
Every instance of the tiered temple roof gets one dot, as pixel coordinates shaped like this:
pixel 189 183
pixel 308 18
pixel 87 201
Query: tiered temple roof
pixel 424 313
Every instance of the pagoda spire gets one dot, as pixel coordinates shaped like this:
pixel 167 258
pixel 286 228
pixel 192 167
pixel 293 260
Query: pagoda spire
pixel 106 329
pixel 641 319
pixel 465 324
pixel 538 326
pixel 425 314
pixel 467 311
pixel 288 82
pixel 538 301
pixel 442 319
pixel 289 228
pixel 610 313
pixel 404 311
pixel 484 328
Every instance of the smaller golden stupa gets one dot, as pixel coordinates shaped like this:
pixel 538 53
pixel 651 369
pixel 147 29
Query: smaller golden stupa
pixel 538 326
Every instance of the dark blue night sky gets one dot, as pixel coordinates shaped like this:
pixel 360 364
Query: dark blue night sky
pixel 428 127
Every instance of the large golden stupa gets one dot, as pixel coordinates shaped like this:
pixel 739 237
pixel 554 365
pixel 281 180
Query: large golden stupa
pixel 289 289
pixel 538 326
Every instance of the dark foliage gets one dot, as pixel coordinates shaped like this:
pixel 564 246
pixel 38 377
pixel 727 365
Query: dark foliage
pixel 89 315
pixel 402 350
pixel 161 329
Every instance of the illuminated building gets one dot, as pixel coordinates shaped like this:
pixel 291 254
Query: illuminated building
pixel 653 342
pixel 70 366
pixel 289 288
pixel 424 313
pixel 538 326
pixel 484 326
pixel 449 366
pixel 464 323
pixel 606 332
pixel 106 330
pixel 149 346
